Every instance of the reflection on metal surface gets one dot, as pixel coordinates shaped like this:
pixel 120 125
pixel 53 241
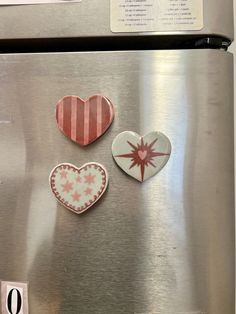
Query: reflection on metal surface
pixel 165 246
pixel 37 234
pixel 5 121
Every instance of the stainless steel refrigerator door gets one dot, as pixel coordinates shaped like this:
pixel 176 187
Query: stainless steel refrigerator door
pixel 91 18
pixel 164 246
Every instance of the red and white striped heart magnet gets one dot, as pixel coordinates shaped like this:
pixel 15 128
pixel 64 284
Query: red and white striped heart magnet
pixel 83 121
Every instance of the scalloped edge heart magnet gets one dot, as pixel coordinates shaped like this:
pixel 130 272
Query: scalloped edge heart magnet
pixel 84 121
pixel 78 189
pixel 141 157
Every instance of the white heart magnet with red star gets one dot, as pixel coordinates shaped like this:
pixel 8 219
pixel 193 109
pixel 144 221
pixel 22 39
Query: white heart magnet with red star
pixel 141 157
pixel 78 188
pixel 83 121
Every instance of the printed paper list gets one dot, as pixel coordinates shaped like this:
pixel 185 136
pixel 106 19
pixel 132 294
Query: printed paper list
pixel 156 15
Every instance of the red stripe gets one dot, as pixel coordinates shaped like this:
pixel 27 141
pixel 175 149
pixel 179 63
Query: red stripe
pixel 93 119
pixel 59 114
pixel 99 116
pixel 111 111
pixel 80 121
pixel 67 116
pixel 73 117
pixel 106 113
pixel 86 122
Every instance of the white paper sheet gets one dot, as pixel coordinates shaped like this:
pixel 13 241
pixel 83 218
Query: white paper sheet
pixel 17 2
pixel 156 15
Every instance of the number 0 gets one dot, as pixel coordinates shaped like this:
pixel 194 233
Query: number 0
pixel 9 301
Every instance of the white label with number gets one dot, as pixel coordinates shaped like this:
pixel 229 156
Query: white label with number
pixel 14 297
pixel 156 15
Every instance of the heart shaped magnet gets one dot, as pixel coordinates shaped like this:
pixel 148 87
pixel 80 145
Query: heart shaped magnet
pixel 78 188
pixel 83 121
pixel 141 157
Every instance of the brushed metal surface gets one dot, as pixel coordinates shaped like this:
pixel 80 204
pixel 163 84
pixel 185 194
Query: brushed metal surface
pixel 165 246
pixel 92 18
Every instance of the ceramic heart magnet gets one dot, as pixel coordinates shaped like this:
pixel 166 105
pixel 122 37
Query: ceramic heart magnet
pixel 78 188
pixel 83 121
pixel 141 157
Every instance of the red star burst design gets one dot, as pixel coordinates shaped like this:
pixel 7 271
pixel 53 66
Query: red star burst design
pixel 67 187
pixel 142 155
pixel 88 191
pixel 76 196
pixel 89 178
